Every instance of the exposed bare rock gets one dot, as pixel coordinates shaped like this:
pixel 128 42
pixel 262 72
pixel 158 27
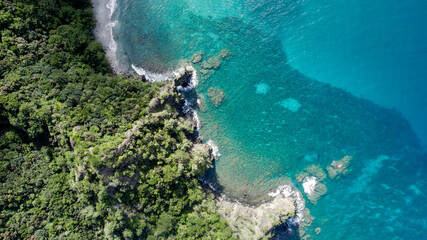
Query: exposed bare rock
pixel 80 173
pixel 311 178
pixel 339 168
pixel 255 222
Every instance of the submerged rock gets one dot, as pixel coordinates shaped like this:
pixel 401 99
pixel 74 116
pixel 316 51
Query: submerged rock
pixel 201 103
pixel 339 168
pixel 318 190
pixel 197 57
pixel 204 71
pixel 262 88
pixel 312 170
pixel 213 62
pixel 311 177
pixel 224 53
pixel 216 95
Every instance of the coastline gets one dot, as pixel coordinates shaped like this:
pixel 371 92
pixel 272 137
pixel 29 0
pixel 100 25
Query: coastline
pixel 285 210
pixel 286 205
pixel 103 32
pixel 94 153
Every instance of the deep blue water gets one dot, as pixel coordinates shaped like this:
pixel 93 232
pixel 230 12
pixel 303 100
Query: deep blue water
pixel 306 83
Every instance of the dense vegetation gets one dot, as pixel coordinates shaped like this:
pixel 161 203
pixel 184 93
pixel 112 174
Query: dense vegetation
pixel 85 154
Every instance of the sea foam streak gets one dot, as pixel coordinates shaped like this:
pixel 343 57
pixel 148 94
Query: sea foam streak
pixel 104 30
pixel 154 77
pixel 170 76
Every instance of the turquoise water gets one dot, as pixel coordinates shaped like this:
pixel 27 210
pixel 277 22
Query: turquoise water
pixel 305 83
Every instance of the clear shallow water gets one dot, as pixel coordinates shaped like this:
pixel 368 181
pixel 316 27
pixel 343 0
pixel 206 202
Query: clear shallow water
pixel 279 115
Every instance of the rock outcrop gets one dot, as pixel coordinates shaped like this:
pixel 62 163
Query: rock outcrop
pixel 254 222
pixel 339 168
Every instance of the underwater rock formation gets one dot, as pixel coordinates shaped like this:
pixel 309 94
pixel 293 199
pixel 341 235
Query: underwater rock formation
pixel 211 63
pixel 197 57
pixel 339 168
pixel 201 102
pixel 216 95
pixel 311 178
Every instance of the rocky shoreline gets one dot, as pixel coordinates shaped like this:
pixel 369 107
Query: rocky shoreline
pixel 250 222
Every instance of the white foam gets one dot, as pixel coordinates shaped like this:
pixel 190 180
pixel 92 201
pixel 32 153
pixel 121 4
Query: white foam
pixel 299 202
pixel 169 76
pixel 197 120
pixel 188 109
pixel 194 80
pixel 154 77
pixel 103 31
pixel 274 194
pixel 287 191
pixel 309 185
pixel 112 5
pixel 215 150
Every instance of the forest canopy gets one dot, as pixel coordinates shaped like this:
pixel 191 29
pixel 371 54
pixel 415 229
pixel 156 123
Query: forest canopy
pixel 83 154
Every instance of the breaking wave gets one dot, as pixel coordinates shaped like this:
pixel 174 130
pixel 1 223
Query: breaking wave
pixel 104 13
pixel 154 77
pixel 214 148
pixel 170 76
pixel 299 202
